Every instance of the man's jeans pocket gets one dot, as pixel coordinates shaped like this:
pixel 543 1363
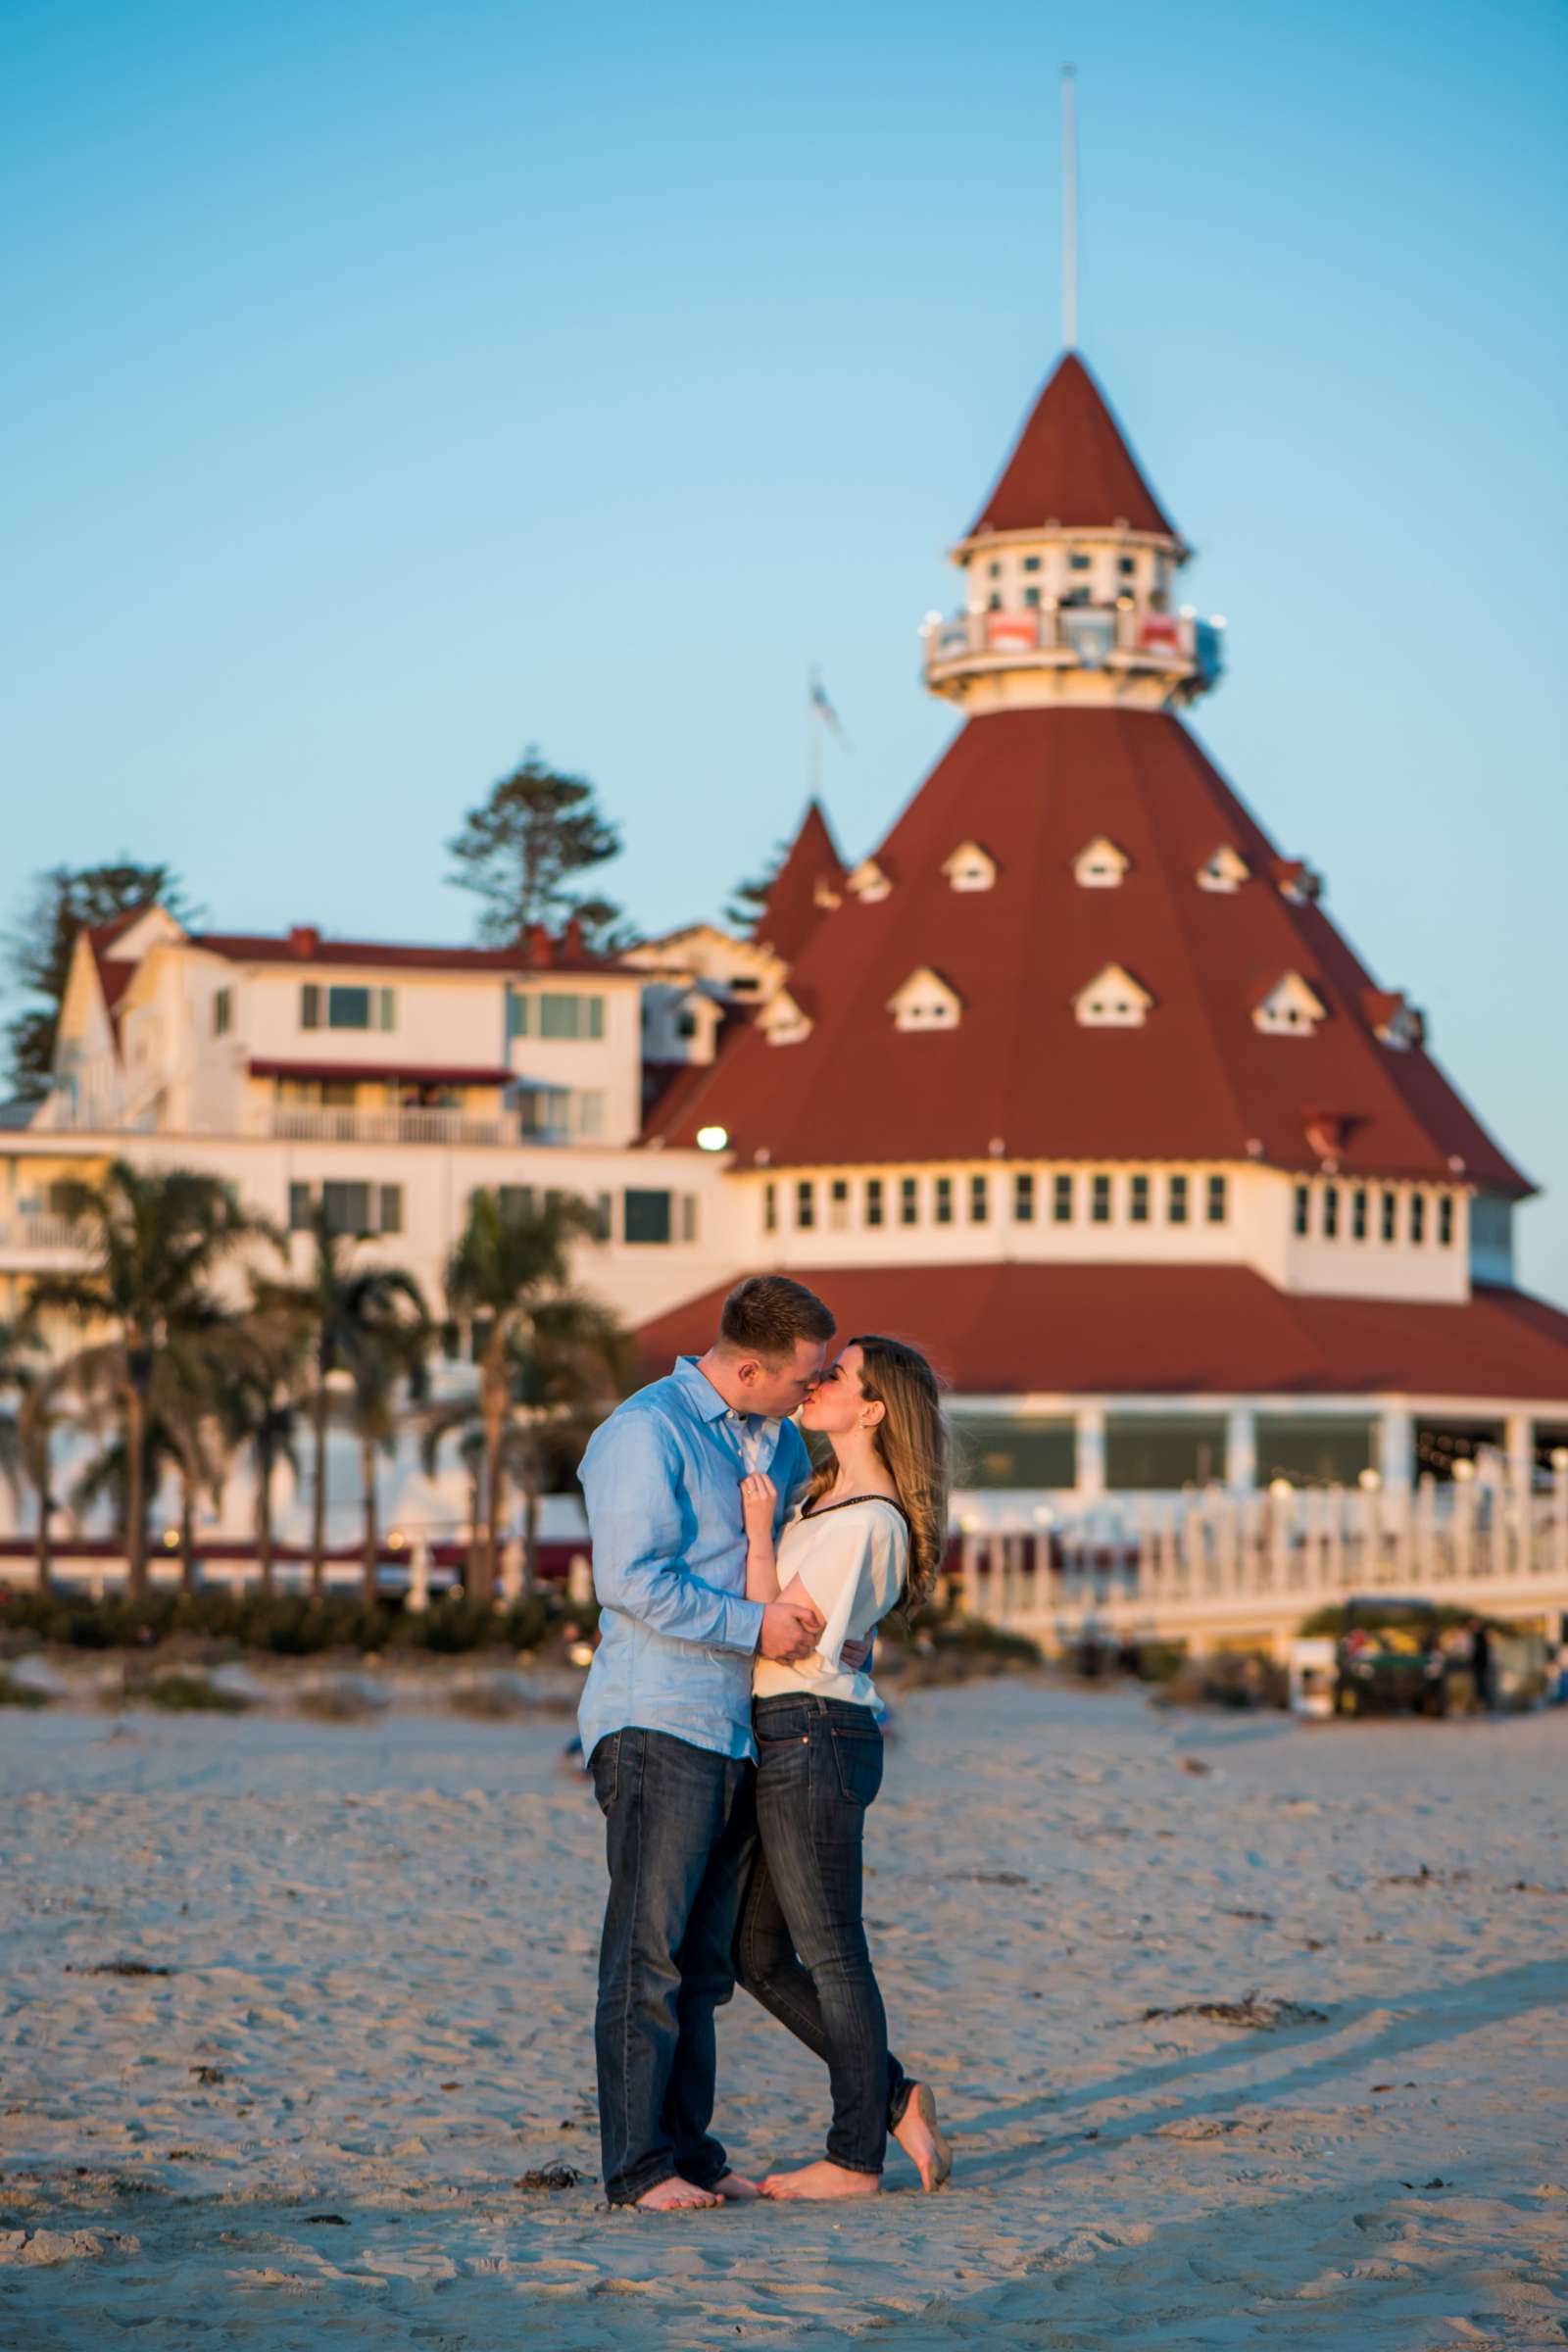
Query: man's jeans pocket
pixel 604 1765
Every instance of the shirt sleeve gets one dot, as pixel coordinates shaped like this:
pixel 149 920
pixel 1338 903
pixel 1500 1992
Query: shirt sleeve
pixel 631 1475
pixel 834 1574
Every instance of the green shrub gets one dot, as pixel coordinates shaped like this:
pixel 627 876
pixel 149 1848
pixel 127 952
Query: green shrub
pixel 184 1695
pixel 21 1694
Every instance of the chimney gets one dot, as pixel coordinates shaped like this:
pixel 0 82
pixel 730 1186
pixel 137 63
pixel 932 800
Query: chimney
pixel 571 942
pixel 304 941
pixel 541 947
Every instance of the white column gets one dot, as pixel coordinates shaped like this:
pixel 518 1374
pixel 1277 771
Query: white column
pixel 1396 1447
pixel 1519 1445
pixel 1089 1425
pixel 1241 1449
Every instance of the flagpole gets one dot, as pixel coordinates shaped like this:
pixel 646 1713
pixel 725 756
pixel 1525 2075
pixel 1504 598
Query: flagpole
pixel 1069 211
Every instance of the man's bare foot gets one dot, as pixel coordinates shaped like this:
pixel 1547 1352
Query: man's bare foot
pixel 820 2180
pixel 735 2188
pixel 675 2195
pixel 922 2138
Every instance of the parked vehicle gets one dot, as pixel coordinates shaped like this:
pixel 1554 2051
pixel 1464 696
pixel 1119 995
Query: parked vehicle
pixel 1390 1654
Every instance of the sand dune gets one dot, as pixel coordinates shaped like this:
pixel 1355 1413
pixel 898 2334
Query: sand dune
pixel 379 1941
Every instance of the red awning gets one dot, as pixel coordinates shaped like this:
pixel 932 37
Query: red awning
pixel 382 1072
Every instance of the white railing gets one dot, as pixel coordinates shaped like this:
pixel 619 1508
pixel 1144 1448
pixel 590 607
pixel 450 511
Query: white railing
pixel 1090 636
pixel 41 1233
pixel 1229 1563
pixel 311 1123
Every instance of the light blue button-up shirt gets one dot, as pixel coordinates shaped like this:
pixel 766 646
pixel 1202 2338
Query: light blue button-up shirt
pixel 677 1633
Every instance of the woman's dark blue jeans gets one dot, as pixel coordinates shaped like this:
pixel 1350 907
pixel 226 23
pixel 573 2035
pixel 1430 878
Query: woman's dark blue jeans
pixel 799 1948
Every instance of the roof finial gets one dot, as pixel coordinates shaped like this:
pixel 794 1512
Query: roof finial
pixel 1069 211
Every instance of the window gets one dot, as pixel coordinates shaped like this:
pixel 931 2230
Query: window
pixel 943 1205
pixel 1015 1449
pixel 514 1201
pixel 806 1204
pixel 1226 871
pixel 1031 598
pixel 222 1013
pixel 1031 563
pixel 1023 1197
pixel 348 1008
pixel 1062 1198
pixel 1219 1198
pixel 347 1208
pixel 924 1001
pixel 1303 1209
pixel 1445 1221
pixel 1145 1451
pixel 1176 1201
pixel 979 1199
pixel 1291 1008
pixel 1331 1212
pixel 545 1114
pixel 1358 1213
pixel 838 1206
pixel 570 1017
pixel 1138 1202
pixel 1078 563
pixel 1313 1452
pixel 310 1005
pixel 1100 1199
pixel 1419 1216
pixel 1112 999
pixel 646 1217
pixel 1126 564
pixel 873 1200
pixel 1389 1225
pixel 770 1208
pixel 969 867
pixel 591 1113
pixel 686 1026
pixel 299 1208
pixel 1099 864
pixel 516 1014
pixel 909 1201
pixel 390 1219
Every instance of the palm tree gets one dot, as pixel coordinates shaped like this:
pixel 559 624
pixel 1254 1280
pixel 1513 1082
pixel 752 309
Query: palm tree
pixel 260 1415
pixel 154 1239
pixel 507 1277
pixel 342 1307
pixel 387 1350
pixel 27 1430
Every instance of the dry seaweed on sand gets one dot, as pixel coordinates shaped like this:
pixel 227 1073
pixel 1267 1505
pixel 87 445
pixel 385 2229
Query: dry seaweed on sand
pixel 1255 2011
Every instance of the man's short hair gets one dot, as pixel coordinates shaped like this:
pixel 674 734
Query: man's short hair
pixel 767 1313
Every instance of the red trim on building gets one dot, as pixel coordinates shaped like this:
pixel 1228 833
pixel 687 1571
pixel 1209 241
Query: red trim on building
pixel 1107 1330
pixel 388 1073
pixel 308 947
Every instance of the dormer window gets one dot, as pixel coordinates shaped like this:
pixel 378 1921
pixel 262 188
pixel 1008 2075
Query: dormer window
pixel 783 1021
pixel 825 895
pixel 925 1001
pixel 869 882
pixel 1226 871
pixel 1112 999
pixel 1394 1022
pixel 1100 866
pixel 1291 1008
pixel 970 868
pixel 1296 881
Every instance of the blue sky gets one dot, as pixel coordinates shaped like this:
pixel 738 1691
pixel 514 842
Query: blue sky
pixel 392 388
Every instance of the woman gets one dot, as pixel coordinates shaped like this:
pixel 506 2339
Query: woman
pixel 870 1532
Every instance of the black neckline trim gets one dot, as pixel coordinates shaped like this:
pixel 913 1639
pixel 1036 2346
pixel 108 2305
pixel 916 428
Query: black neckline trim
pixel 844 1504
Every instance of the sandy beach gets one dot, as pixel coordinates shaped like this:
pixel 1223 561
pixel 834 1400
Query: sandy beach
pixel 361 2018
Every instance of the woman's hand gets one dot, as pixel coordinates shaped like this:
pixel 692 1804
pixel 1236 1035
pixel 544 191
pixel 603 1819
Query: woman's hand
pixel 759 1503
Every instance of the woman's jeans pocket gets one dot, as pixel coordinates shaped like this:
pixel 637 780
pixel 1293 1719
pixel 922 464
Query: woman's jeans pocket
pixel 857 1760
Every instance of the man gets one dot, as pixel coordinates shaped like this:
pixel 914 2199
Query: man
pixel 667 1720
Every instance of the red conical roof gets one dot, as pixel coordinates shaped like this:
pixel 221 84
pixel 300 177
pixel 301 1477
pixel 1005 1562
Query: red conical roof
pixel 1197 1081
pixel 793 905
pixel 1072 464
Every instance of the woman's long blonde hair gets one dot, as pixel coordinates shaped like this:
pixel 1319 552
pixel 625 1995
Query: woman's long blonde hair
pixel 912 1439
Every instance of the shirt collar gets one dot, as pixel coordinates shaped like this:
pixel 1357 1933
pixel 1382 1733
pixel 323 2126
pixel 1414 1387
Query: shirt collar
pixel 705 1398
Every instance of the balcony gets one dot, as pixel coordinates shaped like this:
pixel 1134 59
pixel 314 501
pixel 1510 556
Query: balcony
pixel 1115 638
pixel 313 1123
pixel 41 1241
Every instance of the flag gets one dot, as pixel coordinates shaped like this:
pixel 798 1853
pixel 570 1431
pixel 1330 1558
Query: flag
pixel 824 709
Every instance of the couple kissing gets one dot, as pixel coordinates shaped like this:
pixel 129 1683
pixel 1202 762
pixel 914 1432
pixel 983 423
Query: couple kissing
pixel 733 1732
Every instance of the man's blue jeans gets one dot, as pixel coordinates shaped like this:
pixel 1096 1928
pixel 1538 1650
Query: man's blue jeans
pixel 679 1837
pixel 802 1949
